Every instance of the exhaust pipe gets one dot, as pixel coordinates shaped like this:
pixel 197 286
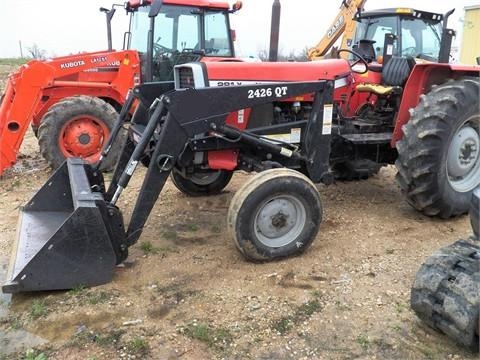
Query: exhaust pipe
pixel 275 31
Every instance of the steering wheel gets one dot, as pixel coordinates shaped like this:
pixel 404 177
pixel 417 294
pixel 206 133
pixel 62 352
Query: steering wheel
pixel 409 51
pixel 359 60
pixel 160 49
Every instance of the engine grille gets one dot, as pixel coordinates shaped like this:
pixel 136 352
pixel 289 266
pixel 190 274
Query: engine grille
pixel 186 80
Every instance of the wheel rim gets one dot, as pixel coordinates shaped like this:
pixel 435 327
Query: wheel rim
pixel 463 157
pixel 83 137
pixel 280 220
pixel 205 178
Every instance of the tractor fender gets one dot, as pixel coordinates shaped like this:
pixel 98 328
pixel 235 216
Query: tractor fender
pixel 422 78
pixel 54 95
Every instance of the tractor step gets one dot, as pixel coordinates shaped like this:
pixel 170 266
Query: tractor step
pixel 64 238
pixel 368 139
pixel 365 126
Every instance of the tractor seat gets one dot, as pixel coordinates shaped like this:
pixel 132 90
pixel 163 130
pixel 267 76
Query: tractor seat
pixel 394 76
pixel 377 89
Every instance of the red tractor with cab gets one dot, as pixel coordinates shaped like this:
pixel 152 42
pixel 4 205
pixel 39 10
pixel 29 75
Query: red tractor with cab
pixel 71 102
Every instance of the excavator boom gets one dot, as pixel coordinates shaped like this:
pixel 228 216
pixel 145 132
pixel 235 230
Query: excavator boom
pixel 342 24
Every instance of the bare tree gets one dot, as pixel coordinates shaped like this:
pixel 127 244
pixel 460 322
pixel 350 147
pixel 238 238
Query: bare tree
pixel 282 56
pixel 36 53
pixel 263 54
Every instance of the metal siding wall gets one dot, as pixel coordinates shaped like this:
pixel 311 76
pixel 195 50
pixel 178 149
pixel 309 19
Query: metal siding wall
pixel 471 37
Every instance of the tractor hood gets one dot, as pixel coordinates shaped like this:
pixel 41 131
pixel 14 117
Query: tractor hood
pixel 236 73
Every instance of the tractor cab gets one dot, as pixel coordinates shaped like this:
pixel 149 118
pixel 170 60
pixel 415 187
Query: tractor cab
pixel 171 32
pixel 414 33
pixel 388 43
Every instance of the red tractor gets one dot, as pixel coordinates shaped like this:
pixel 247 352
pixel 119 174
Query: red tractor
pixel 72 102
pixel 410 108
pixel 294 123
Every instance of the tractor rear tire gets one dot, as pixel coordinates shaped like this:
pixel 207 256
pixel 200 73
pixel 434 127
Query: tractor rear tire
pixel 445 293
pixel 275 214
pixel 202 184
pixel 78 127
pixel 439 155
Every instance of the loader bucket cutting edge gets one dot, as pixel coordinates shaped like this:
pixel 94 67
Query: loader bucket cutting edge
pixel 63 239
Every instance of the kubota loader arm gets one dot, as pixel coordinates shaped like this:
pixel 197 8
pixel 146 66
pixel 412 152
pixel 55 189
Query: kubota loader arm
pixel 28 91
pixel 343 24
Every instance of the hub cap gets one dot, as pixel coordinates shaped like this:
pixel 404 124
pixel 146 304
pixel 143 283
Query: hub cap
pixel 279 221
pixel 206 178
pixel 463 157
pixel 83 137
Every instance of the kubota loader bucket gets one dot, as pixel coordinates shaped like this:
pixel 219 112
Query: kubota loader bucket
pixel 66 235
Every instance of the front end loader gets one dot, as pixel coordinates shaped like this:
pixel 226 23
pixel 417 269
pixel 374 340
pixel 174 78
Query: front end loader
pixel 71 232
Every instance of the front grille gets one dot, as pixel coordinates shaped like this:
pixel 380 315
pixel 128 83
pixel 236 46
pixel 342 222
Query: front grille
pixel 185 75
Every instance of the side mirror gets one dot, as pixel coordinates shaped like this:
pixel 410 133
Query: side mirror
pixel 237 6
pixel 155 8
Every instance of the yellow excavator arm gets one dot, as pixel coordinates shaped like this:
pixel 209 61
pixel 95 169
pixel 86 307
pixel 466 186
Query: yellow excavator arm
pixel 343 24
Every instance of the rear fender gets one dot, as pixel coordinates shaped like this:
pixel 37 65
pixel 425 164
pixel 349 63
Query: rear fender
pixel 421 80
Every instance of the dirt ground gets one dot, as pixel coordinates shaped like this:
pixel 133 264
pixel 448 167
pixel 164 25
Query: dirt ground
pixel 187 293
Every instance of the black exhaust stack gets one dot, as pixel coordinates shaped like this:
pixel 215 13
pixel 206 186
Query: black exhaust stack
pixel 275 31
pixel 109 15
pixel 446 41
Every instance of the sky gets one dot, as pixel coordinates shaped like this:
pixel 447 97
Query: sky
pixel 63 27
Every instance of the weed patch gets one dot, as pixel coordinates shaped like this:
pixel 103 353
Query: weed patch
pixel 98 298
pixel 193 227
pixel 148 248
pixel 13 61
pixel 138 345
pixel 301 313
pixel 77 290
pixel 109 339
pixel 363 341
pixel 217 338
pixel 38 309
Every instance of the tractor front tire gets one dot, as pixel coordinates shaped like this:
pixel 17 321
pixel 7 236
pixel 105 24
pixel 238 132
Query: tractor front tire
pixel 275 214
pixel 78 126
pixel 439 155
pixel 445 292
pixel 202 183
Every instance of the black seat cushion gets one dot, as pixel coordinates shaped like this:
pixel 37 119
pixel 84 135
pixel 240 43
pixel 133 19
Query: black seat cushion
pixel 396 71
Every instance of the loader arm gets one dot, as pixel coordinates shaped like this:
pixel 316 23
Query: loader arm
pixel 207 111
pixel 343 23
pixel 76 239
pixel 38 84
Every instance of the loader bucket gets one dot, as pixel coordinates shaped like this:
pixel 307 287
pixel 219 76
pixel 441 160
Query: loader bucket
pixel 64 235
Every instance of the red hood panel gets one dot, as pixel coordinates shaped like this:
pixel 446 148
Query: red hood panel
pixel 278 71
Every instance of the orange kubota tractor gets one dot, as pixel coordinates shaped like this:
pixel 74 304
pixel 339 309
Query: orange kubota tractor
pixel 72 102
pixel 295 124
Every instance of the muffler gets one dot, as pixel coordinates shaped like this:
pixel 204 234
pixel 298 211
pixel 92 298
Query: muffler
pixel 67 235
